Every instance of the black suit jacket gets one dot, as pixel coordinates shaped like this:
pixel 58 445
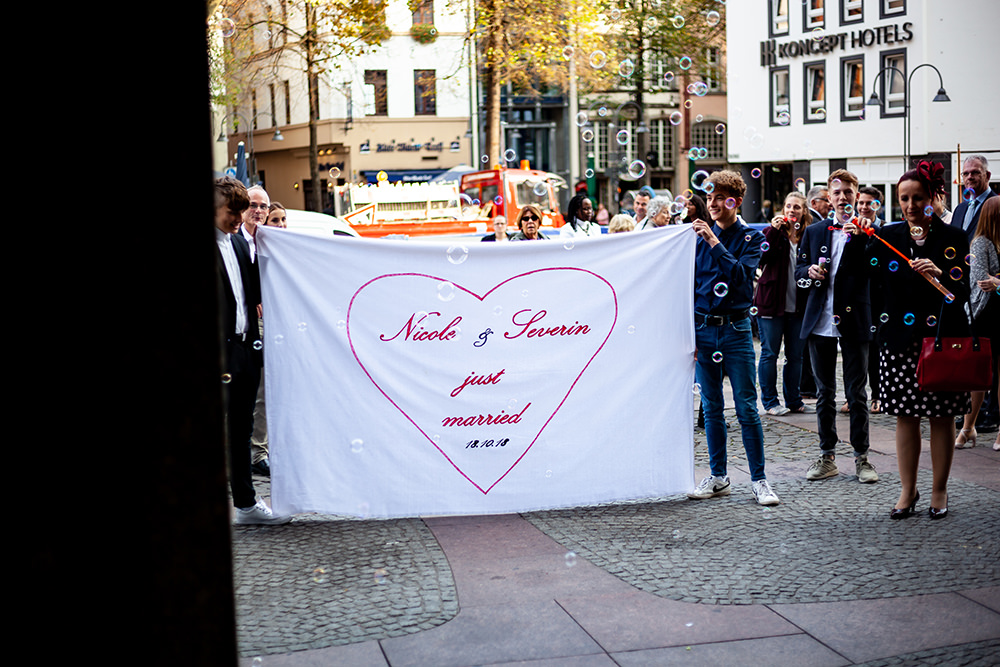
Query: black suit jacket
pixel 912 305
pixel 250 277
pixel 850 291
pixel 958 216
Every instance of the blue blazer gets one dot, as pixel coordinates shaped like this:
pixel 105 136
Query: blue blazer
pixel 958 216
pixel 850 292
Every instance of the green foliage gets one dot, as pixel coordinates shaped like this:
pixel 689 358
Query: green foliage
pixel 423 33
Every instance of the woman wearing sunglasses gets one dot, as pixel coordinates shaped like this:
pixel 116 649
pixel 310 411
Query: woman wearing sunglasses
pixel 529 222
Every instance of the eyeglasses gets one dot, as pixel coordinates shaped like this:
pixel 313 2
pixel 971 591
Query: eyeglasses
pixel 530 216
pixel 256 205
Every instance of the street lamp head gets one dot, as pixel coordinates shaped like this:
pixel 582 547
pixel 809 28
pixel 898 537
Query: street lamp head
pixel 278 136
pixel 873 101
pixel 941 96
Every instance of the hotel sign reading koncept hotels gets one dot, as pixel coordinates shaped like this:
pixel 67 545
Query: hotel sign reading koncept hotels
pixel 771 50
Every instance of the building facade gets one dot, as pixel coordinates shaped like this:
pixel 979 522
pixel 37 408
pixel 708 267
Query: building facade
pixel 801 103
pixel 403 108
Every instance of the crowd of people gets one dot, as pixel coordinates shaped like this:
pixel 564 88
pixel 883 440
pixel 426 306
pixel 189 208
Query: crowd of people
pixel 827 279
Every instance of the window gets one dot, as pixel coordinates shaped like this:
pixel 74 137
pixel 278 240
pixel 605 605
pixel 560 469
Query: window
pixel 889 8
pixel 893 82
pixel 852 88
pixel 815 92
pixel 713 67
pixel 705 134
pixel 851 11
pixel 376 93
pixel 813 15
pixel 253 109
pixel 424 13
pixel 274 108
pixel 779 17
pixel 661 142
pixel 779 96
pixel 661 68
pixel 424 92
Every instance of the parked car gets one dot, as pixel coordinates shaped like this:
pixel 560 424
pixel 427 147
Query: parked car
pixel 318 224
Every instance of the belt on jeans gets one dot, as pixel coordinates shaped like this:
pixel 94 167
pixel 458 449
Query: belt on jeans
pixel 720 320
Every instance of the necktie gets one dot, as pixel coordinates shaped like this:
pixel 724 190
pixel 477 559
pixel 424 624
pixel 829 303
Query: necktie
pixel 970 212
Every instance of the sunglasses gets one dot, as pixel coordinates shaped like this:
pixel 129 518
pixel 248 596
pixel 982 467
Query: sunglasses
pixel 529 216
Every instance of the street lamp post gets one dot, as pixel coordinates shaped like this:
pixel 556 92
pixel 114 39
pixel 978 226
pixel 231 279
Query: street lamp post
pixel 249 124
pixel 874 100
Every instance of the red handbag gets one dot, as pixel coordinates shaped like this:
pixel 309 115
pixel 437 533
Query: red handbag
pixel 955 364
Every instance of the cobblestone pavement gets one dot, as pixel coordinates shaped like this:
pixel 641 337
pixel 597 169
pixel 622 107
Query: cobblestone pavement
pixel 322 581
pixel 829 540
pixel 976 654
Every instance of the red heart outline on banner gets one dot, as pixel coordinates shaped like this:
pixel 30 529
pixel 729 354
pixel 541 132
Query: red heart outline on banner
pixel 480 298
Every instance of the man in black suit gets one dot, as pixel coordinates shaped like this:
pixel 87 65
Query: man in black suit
pixel 819 206
pixel 832 264
pixel 975 191
pixel 239 289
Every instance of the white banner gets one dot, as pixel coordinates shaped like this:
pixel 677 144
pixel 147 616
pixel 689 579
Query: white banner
pixel 410 378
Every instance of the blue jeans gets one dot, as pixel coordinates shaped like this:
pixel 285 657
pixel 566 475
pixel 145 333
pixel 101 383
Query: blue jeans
pixel 772 330
pixel 735 342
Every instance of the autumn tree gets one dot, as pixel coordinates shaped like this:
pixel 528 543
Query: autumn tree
pixel 312 37
pixel 535 46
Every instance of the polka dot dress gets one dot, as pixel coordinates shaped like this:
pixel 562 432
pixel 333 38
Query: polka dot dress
pixel 902 397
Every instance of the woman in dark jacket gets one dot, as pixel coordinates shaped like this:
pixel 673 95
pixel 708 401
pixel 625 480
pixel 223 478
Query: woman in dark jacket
pixel 779 303
pixel 913 309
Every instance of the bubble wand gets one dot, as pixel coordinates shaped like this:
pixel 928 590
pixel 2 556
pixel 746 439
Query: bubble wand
pixel 870 231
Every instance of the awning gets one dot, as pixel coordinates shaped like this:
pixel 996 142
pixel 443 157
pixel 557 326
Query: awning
pixel 414 176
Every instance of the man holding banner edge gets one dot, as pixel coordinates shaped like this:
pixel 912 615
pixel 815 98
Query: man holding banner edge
pixel 726 258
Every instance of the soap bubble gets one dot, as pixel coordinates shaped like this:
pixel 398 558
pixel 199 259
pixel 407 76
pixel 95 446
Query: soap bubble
pixel 931 320
pixel 626 68
pixel 676 118
pixel 540 189
pixel 949 253
pixel 582 119
pixel 764 246
pixel 570 558
pixel 717 357
pixel 335 173
pixel 637 169
pixel 720 128
pixel 684 62
pixel 883 318
pixel 836 320
pixel 227 27
pixel 668 77
pixel 969 194
pixel 677 21
pixel 381 576
pixel 753 311
pixel 784 118
pixel 698 179
pixel 509 155
pixel 916 232
pixel 955 273
pixel 928 210
pixel 598 59
pixel 445 291
pixel 731 203
pixel 699 118
pixel 712 18
pixel 893 265
pixel 909 319
pixel 485 159
pixel 567 52
pixel 622 137
pixel 800 183
pixel 755 172
pixel 357 445
pixel 587 135
pixel 721 289
pixel 457 254
pixel 589 173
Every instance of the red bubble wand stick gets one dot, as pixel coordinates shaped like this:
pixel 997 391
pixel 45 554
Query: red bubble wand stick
pixel 870 231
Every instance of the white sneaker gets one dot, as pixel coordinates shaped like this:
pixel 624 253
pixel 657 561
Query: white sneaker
pixel 260 514
pixel 763 493
pixel 711 487
pixel 778 411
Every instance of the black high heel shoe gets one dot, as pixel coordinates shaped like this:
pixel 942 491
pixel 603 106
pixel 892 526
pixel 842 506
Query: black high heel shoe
pixel 936 513
pixel 897 514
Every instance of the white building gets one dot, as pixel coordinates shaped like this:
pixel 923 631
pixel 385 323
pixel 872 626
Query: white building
pixel 403 108
pixel 798 105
